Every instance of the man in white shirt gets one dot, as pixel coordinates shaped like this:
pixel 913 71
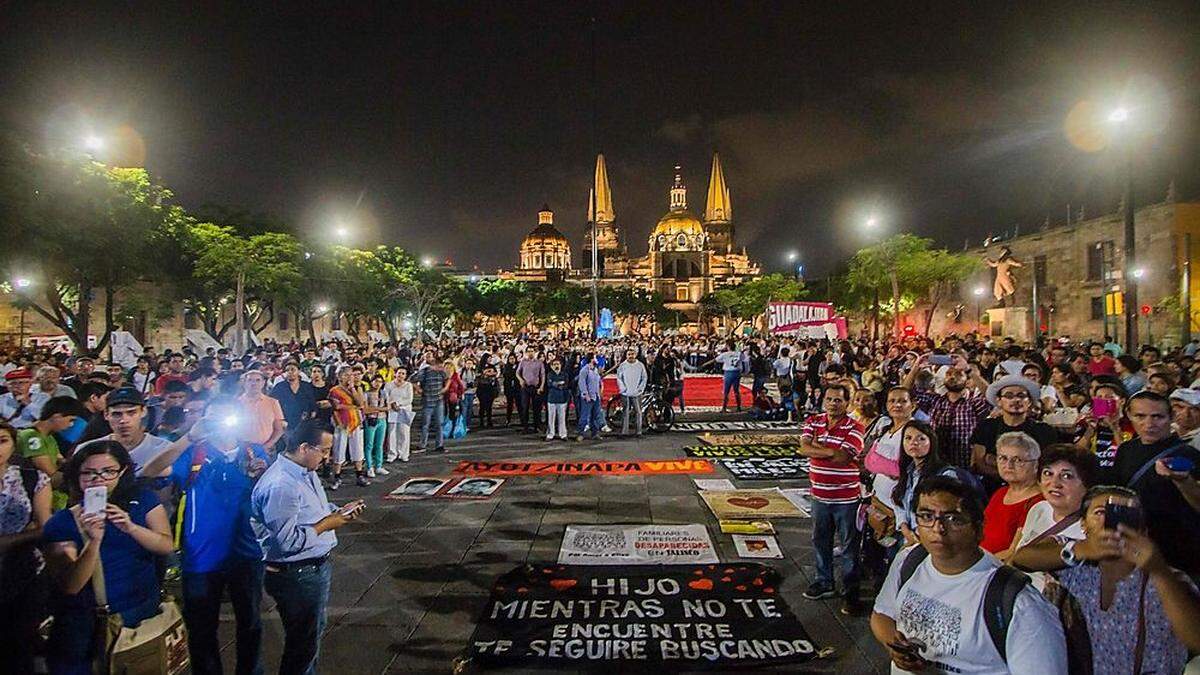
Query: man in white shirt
pixel 125 413
pixel 631 381
pixel 931 615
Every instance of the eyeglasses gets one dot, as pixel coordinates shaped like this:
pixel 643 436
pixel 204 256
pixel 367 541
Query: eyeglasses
pixel 951 520
pixel 1014 461
pixel 102 474
pixel 1015 396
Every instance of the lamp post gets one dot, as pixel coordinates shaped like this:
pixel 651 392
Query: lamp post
pixel 1120 118
pixel 978 293
pixel 21 284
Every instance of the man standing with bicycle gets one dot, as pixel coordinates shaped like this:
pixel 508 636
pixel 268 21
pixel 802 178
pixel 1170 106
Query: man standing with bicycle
pixel 631 381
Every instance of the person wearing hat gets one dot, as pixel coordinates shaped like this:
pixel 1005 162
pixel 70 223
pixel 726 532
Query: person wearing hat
pixel 1013 395
pixel 126 414
pixel 39 445
pixel 19 406
pixel 1185 413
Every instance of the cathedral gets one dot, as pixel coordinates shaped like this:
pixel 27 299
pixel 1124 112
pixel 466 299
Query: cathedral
pixel 687 258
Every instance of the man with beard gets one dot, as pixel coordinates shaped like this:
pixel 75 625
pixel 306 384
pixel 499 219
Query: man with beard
pixel 1014 396
pixel 955 413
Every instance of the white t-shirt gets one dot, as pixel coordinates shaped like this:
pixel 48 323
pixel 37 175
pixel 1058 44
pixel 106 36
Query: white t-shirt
pixel 945 613
pixel 151 446
pixel 730 360
pixel 783 366
pixel 1039 519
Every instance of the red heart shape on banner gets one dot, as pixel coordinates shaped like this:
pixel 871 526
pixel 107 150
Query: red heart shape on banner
pixel 727 579
pixel 701 584
pixel 563 584
pixel 749 502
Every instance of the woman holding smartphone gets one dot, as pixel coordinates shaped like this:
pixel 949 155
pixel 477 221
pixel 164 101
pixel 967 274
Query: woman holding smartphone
pixel 115 531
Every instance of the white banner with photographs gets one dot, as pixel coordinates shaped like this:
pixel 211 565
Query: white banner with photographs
pixel 637 545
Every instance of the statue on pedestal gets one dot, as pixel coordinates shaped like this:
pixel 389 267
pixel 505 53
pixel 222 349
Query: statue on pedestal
pixel 1004 285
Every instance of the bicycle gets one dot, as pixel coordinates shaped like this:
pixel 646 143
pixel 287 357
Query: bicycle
pixel 657 413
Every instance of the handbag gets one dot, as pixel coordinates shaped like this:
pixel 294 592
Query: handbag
pixel 881 518
pixel 156 646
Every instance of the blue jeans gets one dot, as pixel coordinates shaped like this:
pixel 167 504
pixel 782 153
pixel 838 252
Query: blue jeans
pixel 69 650
pixel 301 594
pixel 432 414
pixel 468 400
pixel 202 593
pixel 373 433
pixel 589 416
pixel 733 379
pixel 844 519
pixel 631 404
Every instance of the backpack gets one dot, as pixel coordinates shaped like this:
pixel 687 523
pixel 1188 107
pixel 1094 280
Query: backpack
pixel 998 599
pixel 19 565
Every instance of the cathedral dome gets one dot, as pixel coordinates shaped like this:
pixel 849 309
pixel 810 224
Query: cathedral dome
pixel 545 247
pixel 679 229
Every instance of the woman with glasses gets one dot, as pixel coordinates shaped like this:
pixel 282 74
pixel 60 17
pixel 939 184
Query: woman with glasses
pixel 1065 474
pixel 120 543
pixel 1017 460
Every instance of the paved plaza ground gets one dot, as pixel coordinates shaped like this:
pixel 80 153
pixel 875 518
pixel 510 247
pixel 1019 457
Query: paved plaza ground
pixel 410 578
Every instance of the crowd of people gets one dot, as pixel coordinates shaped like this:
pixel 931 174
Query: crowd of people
pixel 1012 508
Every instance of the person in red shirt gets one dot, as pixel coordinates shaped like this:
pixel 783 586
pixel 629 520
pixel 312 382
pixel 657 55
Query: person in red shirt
pixel 834 444
pixel 174 374
pixel 1100 363
pixel 1017 456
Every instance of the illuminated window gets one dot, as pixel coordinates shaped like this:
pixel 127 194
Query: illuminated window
pixel 681 241
pixel 681 293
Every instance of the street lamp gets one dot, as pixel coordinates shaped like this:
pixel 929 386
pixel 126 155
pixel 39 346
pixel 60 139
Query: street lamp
pixel 978 291
pixel 93 143
pixel 342 232
pixel 792 255
pixel 1138 273
pixel 1120 118
pixel 427 262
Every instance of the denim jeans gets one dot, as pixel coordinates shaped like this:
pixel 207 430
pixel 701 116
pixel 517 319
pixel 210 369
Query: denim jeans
pixel 468 401
pixel 432 414
pixel 301 594
pixel 589 416
pixel 69 650
pixel 634 404
pixel 202 593
pixel 842 518
pixel 373 433
pixel 733 380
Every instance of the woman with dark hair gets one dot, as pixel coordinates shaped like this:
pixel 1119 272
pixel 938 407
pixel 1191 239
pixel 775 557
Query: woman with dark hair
pixel 1129 369
pixel 24 510
pixel 1065 474
pixel 919 459
pixel 119 544
pixel 512 387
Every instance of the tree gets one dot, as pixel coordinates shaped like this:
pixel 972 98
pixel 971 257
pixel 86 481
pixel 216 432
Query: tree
pixel 890 263
pixel 749 300
pixel 425 295
pixel 75 228
pixel 936 275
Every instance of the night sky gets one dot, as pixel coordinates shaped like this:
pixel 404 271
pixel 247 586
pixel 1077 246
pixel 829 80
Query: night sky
pixel 450 124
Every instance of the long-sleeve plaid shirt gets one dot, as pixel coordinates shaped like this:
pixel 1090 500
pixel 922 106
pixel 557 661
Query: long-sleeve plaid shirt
pixel 954 422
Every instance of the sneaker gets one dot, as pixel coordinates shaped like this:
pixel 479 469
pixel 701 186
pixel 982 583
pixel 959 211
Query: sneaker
pixel 440 449
pixel 335 483
pixel 371 473
pixel 819 591
pixel 852 606
pixel 362 481
pixel 606 429
pixel 382 471
pixel 549 438
pixel 562 438
pixel 579 438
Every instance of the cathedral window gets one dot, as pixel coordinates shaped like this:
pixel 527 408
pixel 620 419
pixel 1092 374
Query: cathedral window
pixel 681 293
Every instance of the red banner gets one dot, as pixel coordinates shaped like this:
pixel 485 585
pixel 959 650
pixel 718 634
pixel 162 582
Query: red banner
pixel 584 468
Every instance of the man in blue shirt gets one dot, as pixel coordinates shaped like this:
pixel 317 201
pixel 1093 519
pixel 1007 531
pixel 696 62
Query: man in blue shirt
pixel 215 472
pixel 589 399
pixel 295 524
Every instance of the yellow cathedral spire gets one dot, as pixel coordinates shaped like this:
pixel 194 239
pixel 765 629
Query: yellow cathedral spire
pixel 603 195
pixel 718 208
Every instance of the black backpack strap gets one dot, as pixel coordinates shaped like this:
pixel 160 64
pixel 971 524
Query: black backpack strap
pixel 998 601
pixel 29 478
pixel 909 567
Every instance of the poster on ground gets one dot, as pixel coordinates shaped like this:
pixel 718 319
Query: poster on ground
pixel 756 546
pixel 638 618
pixel 749 439
pixel 711 451
pixel 430 487
pixel 766 468
pixel 636 545
pixel 733 426
pixel 584 467
pixel 750 504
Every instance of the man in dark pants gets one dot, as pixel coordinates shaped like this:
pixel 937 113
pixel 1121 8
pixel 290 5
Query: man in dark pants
pixel 295 524
pixel 531 373
pixel 216 472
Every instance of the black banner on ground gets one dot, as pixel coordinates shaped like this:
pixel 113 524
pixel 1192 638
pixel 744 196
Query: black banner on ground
pixel 734 426
pixel 715 451
pixel 639 617
pixel 766 468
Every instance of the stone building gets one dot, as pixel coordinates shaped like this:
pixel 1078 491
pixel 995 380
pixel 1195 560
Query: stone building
pixel 1076 271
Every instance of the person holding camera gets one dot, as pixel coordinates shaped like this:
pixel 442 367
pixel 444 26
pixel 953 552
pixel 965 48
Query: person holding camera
pixel 295 523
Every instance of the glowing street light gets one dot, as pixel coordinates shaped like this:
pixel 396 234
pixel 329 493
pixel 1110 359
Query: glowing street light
pixel 93 143
pixel 426 262
pixel 22 282
pixel 979 291
pixel 792 255
pixel 872 221
pixel 322 308
pixel 1119 115
pixel 342 231
pixel 1138 273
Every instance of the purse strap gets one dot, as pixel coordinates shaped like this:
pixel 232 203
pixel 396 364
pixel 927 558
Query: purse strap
pixel 1139 651
pixel 98 588
pixel 1054 529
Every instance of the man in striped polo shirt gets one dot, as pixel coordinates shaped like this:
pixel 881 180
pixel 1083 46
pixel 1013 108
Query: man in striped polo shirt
pixel 834 441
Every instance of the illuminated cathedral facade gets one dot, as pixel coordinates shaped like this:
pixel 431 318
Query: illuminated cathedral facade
pixel 687 258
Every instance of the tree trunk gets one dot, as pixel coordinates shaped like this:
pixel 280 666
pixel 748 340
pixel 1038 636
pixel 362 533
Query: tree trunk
pixel 109 322
pixel 239 309
pixel 875 316
pixel 895 304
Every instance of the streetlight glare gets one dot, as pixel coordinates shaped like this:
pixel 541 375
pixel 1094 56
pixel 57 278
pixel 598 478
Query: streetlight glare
pixel 427 262
pixel 322 308
pixel 1119 115
pixel 792 255
pixel 1138 273
pixel 872 221
pixel 342 232
pixel 979 290
pixel 93 142
pixel 22 282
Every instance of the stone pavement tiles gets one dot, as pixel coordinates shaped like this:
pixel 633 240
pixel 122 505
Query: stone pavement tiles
pixel 410 577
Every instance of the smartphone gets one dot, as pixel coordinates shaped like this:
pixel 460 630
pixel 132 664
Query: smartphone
pixel 1122 514
pixel 1180 464
pixel 1104 407
pixel 941 360
pixel 351 508
pixel 95 499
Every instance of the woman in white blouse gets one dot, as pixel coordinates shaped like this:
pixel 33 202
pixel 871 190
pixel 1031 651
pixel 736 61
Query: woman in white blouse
pixel 399 396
